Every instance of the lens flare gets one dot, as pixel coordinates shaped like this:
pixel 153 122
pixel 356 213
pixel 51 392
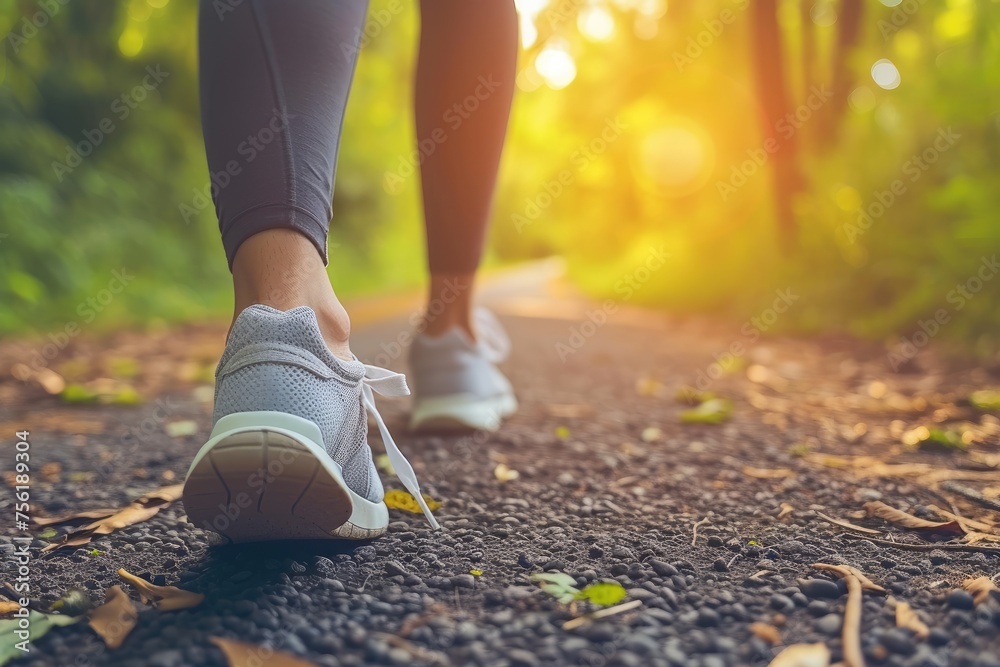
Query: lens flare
pixel 885 75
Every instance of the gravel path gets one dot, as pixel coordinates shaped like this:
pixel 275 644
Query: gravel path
pixel 611 486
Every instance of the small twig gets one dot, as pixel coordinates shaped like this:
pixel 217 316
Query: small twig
pixel 971 494
pixel 848 524
pixel 853 656
pixel 602 613
pixel 694 533
pixel 732 560
pixel 970 548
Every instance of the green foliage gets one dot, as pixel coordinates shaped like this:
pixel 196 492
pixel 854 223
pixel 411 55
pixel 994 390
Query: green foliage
pixel 986 399
pixel 563 588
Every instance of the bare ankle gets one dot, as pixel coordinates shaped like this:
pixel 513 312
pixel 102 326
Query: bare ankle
pixel 449 304
pixel 282 269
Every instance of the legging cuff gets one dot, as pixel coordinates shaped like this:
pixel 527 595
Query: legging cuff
pixel 273 216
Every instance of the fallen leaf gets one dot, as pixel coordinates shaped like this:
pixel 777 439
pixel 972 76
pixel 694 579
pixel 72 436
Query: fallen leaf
pixel 241 654
pixel 8 607
pixel 986 399
pixel 180 429
pixel 505 474
pixel 766 632
pixel 476 573
pixel 803 655
pixel 108 521
pixel 51 382
pixel 973 537
pixel 164 598
pixel 38 622
pixel 970 525
pixel 73 602
pixel 767 473
pixel 900 518
pixel 77 393
pixel 714 411
pixel 562 432
pixel 398 499
pixel 844 571
pixel 603 593
pixel 981 589
pixel 114 619
pixel 907 618
pixel 559 585
pixel 786 510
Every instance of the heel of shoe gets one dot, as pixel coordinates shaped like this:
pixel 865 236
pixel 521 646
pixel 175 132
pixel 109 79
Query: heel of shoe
pixel 265 476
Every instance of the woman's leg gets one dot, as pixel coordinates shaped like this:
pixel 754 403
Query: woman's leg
pixel 275 76
pixel 464 86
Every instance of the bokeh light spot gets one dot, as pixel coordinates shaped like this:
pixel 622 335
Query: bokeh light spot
pixel 130 42
pixel 596 24
pixel 556 67
pixel 676 158
pixel 885 74
pixel 862 99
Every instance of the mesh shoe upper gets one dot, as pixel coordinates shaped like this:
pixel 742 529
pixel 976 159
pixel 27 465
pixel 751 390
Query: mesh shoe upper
pixel 278 361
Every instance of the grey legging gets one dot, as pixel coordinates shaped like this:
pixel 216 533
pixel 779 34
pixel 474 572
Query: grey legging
pixel 275 75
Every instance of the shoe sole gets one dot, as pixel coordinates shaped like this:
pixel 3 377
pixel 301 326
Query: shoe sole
pixel 462 412
pixel 264 476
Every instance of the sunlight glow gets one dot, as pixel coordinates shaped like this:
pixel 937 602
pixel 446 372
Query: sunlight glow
pixel 556 66
pixel 528 11
pixel 885 74
pixel 676 158
pixel 862 99
pixel 596 24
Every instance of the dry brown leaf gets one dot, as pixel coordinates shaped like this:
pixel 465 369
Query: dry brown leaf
pixel 970 525
pixel 766 632
pixel 114 619
pixel 41 522
pixel 786 510
pixel 803 655
pixel 981 589
pixel 109 521
pixel 8 607
pixel 164 598
pixel 241 654
pixel 973 537
pixel 907 618
pixel 844 571
pixel 767 473
pixel 163 495
pixel 900 518
pixel 848 524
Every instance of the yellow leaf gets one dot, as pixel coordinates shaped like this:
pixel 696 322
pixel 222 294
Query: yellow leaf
pixel 476 573
pixel 166 598
pixel 504 473
pixel 398 499
pixel 562 432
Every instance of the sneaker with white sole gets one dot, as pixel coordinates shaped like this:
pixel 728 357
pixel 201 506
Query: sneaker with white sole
pixel 288 457
pixel 456 382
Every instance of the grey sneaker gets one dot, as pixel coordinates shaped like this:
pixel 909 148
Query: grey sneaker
pixel 456 382
pixel 288 457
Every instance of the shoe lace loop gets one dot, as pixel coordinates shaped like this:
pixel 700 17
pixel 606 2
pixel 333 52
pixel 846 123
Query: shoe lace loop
pixel 388 383
pixel 491 337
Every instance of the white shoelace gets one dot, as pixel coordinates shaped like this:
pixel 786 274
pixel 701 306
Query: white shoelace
pixel 491 337
pixel 388 383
